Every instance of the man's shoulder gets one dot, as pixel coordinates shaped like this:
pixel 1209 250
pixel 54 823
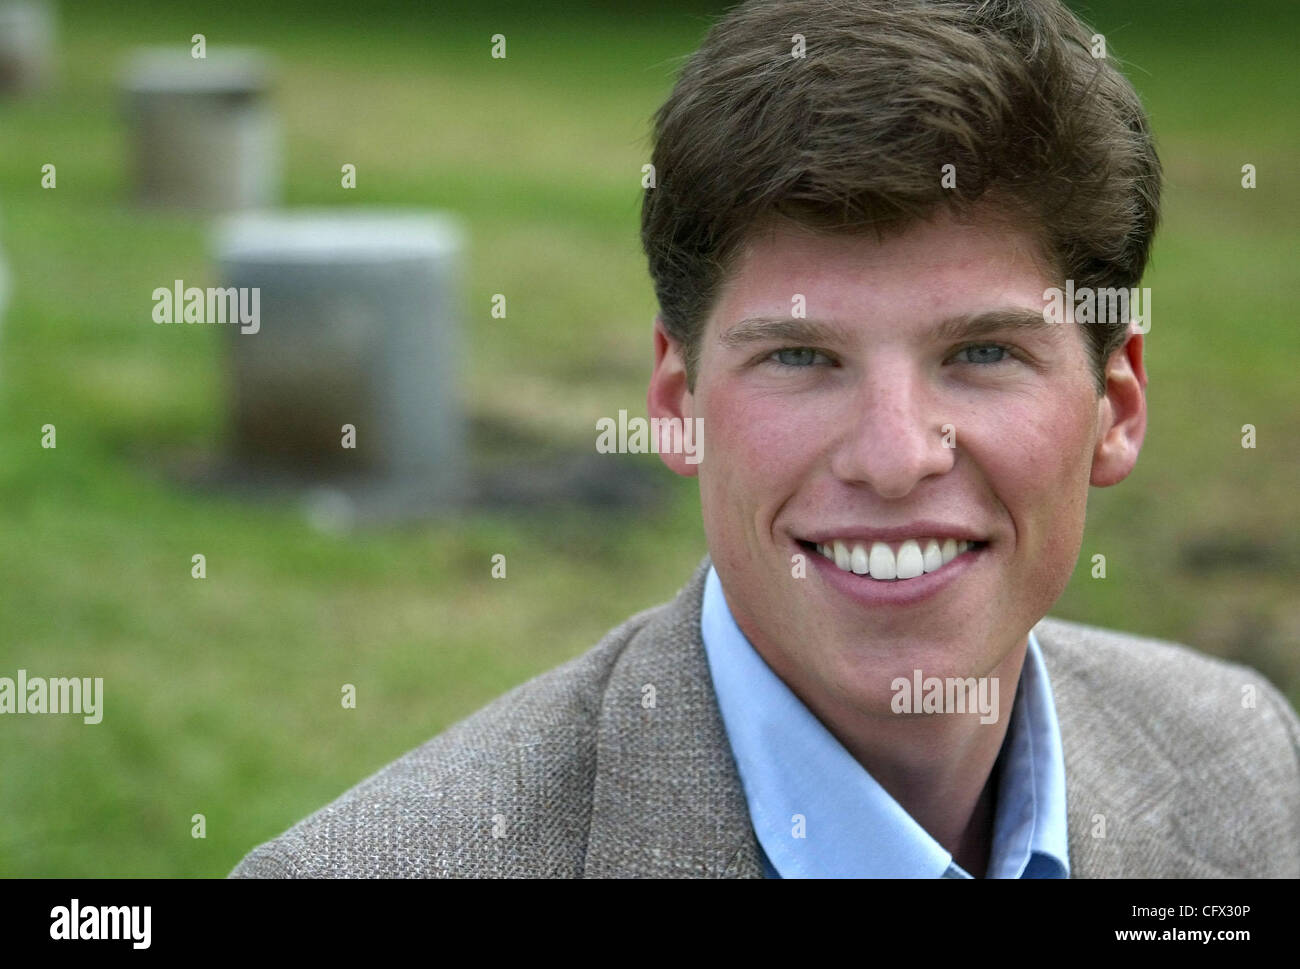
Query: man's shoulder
pixel 1205 750
pixel 506 790
pixel 1170 688
pixel 1165 677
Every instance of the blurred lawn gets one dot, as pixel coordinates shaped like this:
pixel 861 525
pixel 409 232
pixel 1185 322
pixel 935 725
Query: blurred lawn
pixel 222 696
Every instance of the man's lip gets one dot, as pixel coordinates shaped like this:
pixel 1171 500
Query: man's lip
pixel 896 593
pixel 893 533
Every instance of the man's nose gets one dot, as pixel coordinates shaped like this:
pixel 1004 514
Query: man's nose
pixel 894 436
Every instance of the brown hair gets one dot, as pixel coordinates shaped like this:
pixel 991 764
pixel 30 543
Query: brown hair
pixel 853 136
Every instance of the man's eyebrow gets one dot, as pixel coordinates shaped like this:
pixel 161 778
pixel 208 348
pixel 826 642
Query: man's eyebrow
pixel 787 329
pixel 806 332
pixel 974 325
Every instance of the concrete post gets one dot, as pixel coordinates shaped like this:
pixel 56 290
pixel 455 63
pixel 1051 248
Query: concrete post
pixel 360 320
pixel 26 45
pixel 202 131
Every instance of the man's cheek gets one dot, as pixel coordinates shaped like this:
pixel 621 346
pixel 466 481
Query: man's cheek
pixel 772 434
pixel 1055 537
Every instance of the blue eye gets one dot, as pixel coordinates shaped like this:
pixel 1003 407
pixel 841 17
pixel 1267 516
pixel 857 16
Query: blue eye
pixel 984 353
pixel 796 356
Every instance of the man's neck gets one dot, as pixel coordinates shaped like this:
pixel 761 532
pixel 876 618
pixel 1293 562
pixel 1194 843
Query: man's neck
pixel 976 842
pixel 946 782
pixel 938 767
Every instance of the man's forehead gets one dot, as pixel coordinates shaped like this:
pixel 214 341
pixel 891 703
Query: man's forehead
pixel 994 218
pixel 962 276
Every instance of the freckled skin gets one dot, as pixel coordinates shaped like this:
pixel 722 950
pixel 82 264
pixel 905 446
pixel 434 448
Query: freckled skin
pixel 794 449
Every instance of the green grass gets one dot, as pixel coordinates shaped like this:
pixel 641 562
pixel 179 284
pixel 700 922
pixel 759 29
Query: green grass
pixel 222 695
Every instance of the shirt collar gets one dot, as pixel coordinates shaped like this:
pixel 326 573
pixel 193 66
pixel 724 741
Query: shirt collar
pixel 818 813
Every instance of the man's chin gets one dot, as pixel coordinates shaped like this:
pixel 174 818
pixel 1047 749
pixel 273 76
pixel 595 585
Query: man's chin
pixel 869 670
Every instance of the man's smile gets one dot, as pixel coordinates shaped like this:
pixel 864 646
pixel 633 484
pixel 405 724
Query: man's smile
pixel 886 562
pixel 902 572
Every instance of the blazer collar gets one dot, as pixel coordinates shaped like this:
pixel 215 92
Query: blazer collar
pixel 1127 800
pixel 667 800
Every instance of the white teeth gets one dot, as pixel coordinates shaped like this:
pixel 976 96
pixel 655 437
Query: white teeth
pixel 910 562
pixel 861 559
pixel 882 561
pixel 949 550
pixel 915 556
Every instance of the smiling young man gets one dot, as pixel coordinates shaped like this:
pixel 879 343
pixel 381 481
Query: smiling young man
pixel 827 436
pixel 861 209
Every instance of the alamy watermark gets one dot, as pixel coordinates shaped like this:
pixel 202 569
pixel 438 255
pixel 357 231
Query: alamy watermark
pixel 76 922
pixel 35 694
pixel 1101 305
pixel 658 435
pixel 216 304
pixel 953 694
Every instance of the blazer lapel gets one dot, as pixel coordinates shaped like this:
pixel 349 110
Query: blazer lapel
pixel 667 800
pixel 1124 797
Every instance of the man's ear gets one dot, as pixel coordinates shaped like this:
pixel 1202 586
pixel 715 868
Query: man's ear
pixel 668 396
pixel 1122 414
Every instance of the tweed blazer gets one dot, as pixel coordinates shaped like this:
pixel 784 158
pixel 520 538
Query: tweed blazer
pixel 1171 771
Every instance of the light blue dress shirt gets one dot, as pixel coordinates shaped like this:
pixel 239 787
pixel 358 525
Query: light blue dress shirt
pixel 791 765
